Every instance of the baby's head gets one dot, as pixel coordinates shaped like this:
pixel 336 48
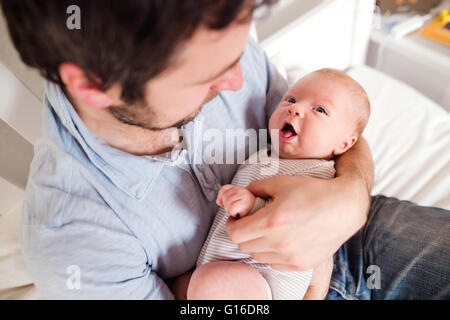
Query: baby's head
pixel 321 116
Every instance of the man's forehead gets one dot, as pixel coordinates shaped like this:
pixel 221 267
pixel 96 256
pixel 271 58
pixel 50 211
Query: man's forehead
pixel 210 53
pixel 222 71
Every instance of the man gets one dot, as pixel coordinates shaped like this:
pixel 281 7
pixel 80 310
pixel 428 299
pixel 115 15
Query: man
pixel 115 209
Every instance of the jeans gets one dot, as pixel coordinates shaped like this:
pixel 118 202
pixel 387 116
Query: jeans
pixel 402 252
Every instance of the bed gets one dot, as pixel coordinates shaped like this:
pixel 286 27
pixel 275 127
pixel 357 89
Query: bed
pixel 409 135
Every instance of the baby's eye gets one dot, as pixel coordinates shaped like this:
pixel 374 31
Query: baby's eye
pixel 291 100
pixel 320 110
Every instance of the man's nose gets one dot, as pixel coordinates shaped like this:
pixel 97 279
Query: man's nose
pixel 296 110
pixel 231 80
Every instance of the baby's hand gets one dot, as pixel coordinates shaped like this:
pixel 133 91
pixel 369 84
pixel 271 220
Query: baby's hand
pixel 237 201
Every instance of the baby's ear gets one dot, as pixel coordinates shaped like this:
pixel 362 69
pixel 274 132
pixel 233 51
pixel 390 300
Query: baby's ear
pixel 345 145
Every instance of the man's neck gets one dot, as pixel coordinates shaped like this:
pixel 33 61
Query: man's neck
pixel 127 138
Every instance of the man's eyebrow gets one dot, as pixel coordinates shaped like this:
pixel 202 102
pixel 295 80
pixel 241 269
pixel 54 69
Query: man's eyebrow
pixel 231 65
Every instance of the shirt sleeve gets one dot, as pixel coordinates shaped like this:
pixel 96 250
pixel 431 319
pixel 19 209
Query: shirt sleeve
pixel 86 259
pixel 276 89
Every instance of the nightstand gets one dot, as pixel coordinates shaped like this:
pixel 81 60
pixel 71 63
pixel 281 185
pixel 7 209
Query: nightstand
pixel 420 62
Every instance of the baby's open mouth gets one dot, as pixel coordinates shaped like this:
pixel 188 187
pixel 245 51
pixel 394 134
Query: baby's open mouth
pixel 288 131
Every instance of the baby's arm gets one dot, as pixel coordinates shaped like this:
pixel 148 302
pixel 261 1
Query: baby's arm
pixel 225 280
pixel 237 201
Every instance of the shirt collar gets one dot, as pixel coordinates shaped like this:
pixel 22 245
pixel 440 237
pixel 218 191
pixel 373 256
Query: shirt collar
pixel 132 174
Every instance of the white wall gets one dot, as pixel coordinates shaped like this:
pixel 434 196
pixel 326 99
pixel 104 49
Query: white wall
pixel 10 58
pixel 21 91
pixel 318 33
pixel 10 197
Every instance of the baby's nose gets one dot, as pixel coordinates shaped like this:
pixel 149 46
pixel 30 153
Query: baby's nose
pixel 296 111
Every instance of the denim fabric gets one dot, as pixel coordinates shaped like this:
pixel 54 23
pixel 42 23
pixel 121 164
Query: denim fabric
pixel 407 246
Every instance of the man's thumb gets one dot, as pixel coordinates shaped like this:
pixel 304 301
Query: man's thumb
pixel 263 188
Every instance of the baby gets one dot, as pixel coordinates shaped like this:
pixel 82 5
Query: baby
pixel 320 117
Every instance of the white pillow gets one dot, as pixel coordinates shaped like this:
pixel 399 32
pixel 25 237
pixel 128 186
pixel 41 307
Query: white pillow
pixel 409 136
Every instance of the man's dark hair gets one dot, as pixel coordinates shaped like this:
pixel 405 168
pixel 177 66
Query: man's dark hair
pixel 120 41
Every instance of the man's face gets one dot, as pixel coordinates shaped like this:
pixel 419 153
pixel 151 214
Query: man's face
pixel 206 64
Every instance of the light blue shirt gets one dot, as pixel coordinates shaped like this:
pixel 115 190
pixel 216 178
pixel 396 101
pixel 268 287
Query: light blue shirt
pixel 99 223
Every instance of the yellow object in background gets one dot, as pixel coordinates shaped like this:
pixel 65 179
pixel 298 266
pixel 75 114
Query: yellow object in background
pixel 444 16
pixel 438 30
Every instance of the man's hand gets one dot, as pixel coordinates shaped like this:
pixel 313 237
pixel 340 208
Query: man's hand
pixel 237 201
pixel 308 219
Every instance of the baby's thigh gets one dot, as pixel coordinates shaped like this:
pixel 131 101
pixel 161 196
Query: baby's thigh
pixel 226 280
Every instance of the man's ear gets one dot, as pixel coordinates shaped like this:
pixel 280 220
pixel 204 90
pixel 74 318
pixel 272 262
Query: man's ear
pixel 345 145
pixel 81 88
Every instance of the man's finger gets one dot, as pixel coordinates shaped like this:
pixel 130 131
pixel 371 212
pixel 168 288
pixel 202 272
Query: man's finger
pixel 248 227
pixel 264 188
pixel 258 245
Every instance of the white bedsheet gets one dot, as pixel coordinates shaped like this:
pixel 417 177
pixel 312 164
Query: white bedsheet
pixel 409 136
pixel 410 140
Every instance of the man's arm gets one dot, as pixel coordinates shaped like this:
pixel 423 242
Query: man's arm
pixel 308 219
pixel 85 259
pixel 355 170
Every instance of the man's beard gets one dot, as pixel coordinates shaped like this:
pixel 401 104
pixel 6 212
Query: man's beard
pixel 130 115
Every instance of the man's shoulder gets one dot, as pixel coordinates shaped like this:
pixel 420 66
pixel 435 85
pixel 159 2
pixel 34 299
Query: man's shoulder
pixel 260 72
pixel 254 50
pixel 255 63
pixel 57 181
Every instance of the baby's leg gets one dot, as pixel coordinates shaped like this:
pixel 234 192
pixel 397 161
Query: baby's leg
pixel 320 282
pixel 226 280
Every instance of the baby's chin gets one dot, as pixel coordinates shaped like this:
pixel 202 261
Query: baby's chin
pixel 295 152
pixel 286 153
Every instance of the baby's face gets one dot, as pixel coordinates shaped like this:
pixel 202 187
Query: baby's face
pixel 315 119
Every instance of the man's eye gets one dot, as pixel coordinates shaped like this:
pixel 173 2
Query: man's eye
pixel 320 110
pixel 291 100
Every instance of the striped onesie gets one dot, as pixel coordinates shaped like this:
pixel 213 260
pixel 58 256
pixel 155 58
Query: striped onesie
pixel 282 285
